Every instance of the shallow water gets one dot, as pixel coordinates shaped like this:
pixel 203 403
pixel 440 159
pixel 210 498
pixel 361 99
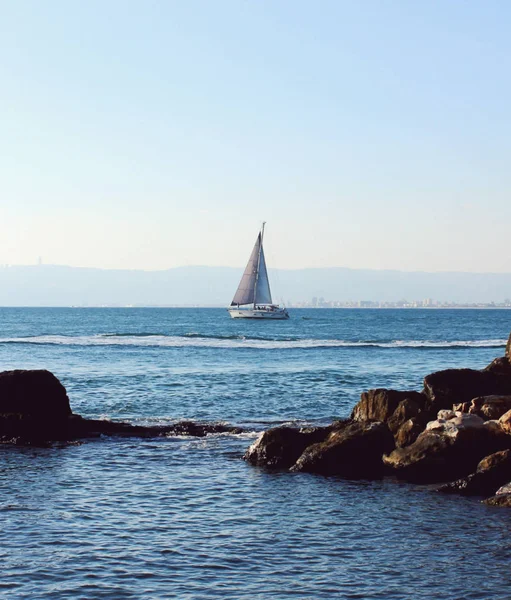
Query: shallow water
pixel 187 518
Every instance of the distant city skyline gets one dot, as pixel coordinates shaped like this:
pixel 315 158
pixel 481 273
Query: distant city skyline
pixel 154 135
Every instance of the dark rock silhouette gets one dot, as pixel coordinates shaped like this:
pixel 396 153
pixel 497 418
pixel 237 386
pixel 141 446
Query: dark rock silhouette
pixel 280 447
pixel 35 409
pixel 491 473
pixel 353 451
pixel 448 431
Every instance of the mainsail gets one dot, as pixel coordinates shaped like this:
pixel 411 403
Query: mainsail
pixel 254 287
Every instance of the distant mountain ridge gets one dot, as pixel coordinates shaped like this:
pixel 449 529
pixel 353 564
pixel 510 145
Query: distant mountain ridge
pixel 53 285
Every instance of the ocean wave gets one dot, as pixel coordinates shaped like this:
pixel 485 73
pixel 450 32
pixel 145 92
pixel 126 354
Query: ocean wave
pixel 204 341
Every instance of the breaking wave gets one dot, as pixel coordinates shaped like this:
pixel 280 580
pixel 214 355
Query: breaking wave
pixel 235 341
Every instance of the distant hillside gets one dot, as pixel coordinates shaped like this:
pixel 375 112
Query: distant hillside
pixel 214 286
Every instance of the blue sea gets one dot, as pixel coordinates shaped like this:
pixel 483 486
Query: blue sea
pixel 187 518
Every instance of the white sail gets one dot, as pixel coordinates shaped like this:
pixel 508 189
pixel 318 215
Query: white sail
pixel 262 293
pixel 245 293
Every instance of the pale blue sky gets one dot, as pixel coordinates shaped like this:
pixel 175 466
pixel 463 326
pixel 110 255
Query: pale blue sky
pixel 154 134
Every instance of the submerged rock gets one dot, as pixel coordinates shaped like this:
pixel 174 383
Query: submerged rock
pixel 35 409
pixel 499 500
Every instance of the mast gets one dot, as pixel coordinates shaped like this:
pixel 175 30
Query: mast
pixel 261 235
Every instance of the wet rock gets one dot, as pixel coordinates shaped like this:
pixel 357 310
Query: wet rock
pixel 447 449
pixel 34 409
pixel 491 473
pixel 499 500
pixel 280 447
pixel 355 451
pixel 80 428
pixel 505 489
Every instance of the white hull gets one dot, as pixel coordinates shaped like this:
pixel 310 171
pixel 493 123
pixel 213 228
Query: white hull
pixel 258 313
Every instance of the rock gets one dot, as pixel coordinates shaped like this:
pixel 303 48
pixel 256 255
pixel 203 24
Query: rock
pixel 403 412
pixel 380 404
pixel 409 408
pixel 443 389
pixel 499 366
pixel 453 425
pixel 281 447
pixel 408 432
pixel 34 409
pixel 445 414
pixel 33 394
pixel 500 500
pixel 491 473
pixel 505 489
pixel 490 407
pixel 447 450
pixel 80 428
pixel 505 421
pixel 355 451
pixel 508 348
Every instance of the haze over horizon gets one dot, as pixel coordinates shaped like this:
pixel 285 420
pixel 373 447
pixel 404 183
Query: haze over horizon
pixel 155 135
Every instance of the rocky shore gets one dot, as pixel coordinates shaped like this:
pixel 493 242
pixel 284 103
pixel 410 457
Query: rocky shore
pixel 35 410
pixel 456 432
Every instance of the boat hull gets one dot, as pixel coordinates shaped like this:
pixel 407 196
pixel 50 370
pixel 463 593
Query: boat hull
pixel 248 313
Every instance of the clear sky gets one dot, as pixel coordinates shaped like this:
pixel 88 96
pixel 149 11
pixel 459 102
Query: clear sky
pixel 154 134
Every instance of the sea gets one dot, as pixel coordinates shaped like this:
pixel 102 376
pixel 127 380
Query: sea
pixel 188 518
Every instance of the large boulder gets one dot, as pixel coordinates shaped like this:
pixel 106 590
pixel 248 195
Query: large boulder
pixel 455 386
pixel 381 404
pixel 491 473
pixel 354 451
pixel 448 449
pixel 499 366
pixel 34 407
pixel 33 394
pixel 403 412
pixel 499 500
pixel 280 447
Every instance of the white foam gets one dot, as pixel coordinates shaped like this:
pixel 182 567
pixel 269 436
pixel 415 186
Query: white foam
pixel 210 342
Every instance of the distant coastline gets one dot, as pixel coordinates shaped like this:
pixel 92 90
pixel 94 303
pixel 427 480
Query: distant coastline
pixel 54 285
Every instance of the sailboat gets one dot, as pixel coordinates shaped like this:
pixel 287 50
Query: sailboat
pixel 252 299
